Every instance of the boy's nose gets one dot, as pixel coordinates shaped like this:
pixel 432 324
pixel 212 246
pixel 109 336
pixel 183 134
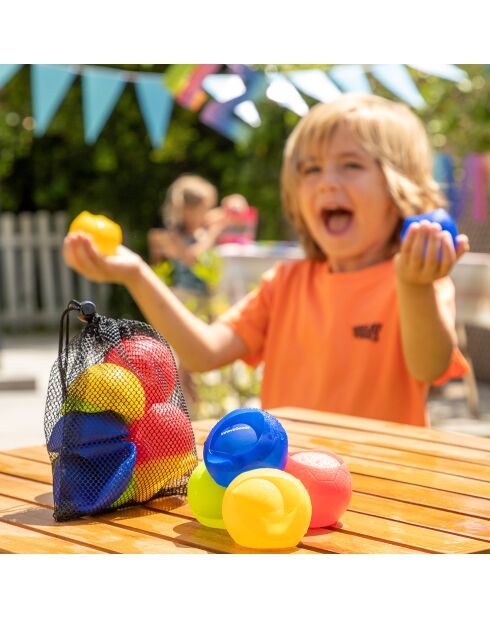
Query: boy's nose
pixel 329 178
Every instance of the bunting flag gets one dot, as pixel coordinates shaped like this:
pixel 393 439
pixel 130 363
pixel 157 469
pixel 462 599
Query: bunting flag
pixel 156 103
pixel 350 78
pixel 315 84
pixel 221 116
pixel 469 164
pixel 224 87
pixel 283 92
pixel 101 89
pixel 7 71
pixel 247 112
pixel 446 71
pixel 49 84
pixel 479 195
pixel 397 79
pixel 444 174
pixel 192 96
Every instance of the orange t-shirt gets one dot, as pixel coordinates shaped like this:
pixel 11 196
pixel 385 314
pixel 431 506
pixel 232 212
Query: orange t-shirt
pixel 331 341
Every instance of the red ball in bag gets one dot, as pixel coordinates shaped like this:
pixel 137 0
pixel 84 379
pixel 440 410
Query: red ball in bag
pixel 327 480
pixel 165 430
pixel 152 362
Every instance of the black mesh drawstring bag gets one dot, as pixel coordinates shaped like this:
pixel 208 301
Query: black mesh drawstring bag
pixel 117 428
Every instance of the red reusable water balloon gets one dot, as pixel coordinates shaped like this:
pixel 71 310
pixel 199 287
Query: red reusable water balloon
pixel 327 480
pixel 152 362
pixel 163 431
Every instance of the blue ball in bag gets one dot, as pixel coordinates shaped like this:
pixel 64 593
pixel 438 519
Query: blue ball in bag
pixel 434 216
pixel 245 439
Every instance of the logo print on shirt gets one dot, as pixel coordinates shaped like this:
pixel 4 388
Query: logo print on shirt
pixel 367 331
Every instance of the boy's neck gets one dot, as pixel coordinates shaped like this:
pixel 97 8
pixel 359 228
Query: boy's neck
pixel 358 263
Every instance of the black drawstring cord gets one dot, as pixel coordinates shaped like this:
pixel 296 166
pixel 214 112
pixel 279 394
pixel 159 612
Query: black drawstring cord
pixel 87 312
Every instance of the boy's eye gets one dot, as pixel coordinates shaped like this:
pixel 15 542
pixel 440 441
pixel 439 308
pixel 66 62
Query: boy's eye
pixel 311 169
pixel 353 165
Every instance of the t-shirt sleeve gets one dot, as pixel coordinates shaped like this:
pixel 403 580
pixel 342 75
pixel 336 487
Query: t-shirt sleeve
pixel 458 365
pixel 249 318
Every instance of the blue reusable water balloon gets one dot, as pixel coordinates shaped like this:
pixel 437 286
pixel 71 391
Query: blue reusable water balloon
pixel 434 216
pixel 245 439
pixel 95 461
pixel 81 428
pixel 88 482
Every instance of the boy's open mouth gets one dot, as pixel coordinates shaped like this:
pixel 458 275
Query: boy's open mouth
pixel 338 220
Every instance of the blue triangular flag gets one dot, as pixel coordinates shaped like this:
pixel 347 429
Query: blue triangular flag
pixel 282 91
pixel 219 116
pixel 49 84
pixel 101 89
pixel 397 79
pixel 315 84
pixel 350 77
pixel 7 71
pixel 446 71
pixel 156 103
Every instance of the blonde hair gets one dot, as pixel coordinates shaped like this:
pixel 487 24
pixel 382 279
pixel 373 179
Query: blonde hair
pixel 186 191
pixel 390 132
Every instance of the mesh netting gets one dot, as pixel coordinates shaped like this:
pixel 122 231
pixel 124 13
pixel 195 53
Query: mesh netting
pixel 116 422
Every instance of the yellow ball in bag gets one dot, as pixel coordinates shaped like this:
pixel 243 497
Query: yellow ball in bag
pixel 105 387
pixel 106 234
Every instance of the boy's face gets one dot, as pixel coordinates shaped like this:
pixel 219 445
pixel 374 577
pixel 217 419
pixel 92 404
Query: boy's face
pixel 345 204
pixel 194 216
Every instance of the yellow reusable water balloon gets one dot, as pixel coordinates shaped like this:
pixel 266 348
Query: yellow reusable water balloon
pixel 205 498
pixel 106 234
pixel 156 474
pixel 266 508
pixel 106 387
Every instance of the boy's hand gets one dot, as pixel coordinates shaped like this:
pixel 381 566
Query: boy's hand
pixel 80 254
pixel 427 253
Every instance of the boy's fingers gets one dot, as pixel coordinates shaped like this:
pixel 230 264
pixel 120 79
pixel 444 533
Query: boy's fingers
pixel 431 262
pixel 462 244
pixel 407 245
pixel 448 255
pixel 418 247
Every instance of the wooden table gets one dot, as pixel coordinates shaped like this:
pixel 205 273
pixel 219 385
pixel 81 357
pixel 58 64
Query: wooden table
pixel 415 491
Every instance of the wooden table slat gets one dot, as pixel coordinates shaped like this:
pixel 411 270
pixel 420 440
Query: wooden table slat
pixel 472 527
pixel 89 530
pixel 370 426
pixel 18 540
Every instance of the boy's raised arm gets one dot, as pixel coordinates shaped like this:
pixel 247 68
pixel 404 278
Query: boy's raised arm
pixel 200 346
pixel 428 339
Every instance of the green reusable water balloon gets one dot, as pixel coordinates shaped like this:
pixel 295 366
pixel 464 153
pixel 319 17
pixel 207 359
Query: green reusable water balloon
pixel 205 498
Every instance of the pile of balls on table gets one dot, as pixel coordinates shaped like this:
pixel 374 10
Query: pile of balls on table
pixel 265 497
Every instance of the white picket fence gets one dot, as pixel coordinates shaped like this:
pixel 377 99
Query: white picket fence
pixel 35 284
